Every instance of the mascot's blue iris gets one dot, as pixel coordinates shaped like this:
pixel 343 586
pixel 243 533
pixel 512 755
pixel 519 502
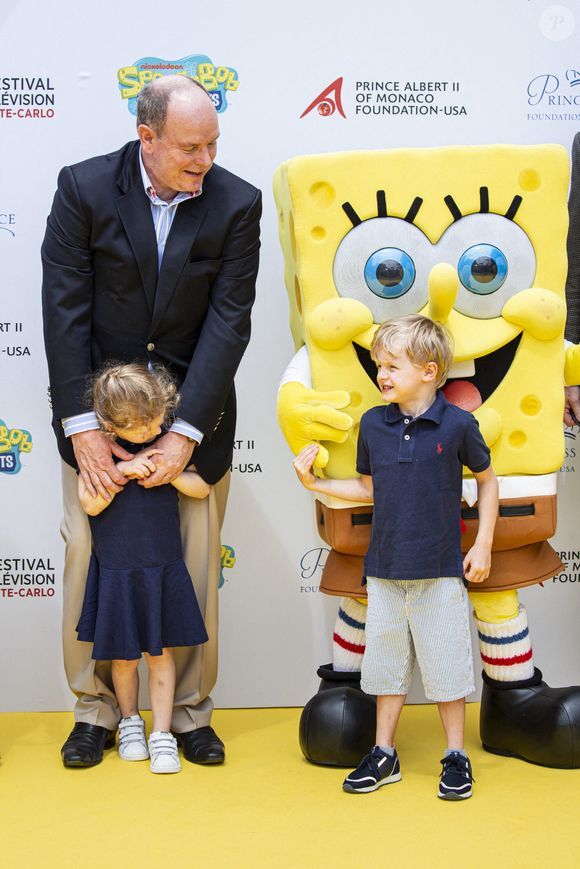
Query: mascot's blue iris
pixel 389 272
pixel 482 269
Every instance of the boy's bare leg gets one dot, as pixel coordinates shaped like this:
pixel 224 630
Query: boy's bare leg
pixel 381 766
pixel 389 708
pixel 453 719
pixel 161 689
pixel 126 684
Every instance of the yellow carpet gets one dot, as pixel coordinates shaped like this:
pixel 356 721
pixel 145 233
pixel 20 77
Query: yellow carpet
pixel 267 807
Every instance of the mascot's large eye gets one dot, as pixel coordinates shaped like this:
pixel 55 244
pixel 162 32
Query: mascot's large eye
pixel 494 259
pixel 384 262
pixel 389 272
pixel 482 269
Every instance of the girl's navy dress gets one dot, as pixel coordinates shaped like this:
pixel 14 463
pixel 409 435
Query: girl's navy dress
pixel 139 595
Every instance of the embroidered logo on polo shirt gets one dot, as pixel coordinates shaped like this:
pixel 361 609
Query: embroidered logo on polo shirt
pixel 439 449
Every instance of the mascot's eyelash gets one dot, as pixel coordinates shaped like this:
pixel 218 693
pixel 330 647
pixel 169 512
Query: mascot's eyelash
pixel 382 209
pixel 483 205
pixel 451 204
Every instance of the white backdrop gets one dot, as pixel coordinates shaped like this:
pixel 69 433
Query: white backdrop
pixel 509 72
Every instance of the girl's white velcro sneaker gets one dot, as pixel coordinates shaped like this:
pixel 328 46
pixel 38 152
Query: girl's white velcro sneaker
pixel 163 752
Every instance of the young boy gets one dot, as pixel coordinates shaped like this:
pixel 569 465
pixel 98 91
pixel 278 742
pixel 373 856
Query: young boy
pixel 410 458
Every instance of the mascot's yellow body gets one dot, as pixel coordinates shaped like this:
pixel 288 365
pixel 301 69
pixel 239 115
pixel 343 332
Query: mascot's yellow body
pixel 473 237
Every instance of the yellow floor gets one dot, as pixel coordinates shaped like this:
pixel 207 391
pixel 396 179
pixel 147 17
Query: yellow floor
pixel 267 807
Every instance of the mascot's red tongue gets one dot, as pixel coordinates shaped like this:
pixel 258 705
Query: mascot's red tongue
pixel 463 394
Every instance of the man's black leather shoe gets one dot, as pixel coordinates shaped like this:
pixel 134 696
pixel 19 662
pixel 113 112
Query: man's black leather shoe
pixel 85 744
pixel 201 746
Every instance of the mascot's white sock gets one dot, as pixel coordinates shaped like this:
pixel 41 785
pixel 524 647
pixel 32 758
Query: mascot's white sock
pixel 506 648
pixel 349 635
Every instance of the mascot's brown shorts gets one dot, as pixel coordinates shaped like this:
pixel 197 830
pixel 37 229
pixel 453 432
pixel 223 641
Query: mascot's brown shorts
pixel 520 555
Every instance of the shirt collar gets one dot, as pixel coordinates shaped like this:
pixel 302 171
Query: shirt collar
pixel 150 190
pixel 433 413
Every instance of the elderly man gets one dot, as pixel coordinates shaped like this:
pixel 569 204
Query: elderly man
pixel 150 254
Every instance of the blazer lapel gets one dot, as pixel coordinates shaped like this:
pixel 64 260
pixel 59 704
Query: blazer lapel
pixel 135 213
pixel 188 218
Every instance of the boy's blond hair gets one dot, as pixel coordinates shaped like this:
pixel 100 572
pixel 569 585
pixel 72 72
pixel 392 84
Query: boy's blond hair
pixel 129 395
pixel 422 339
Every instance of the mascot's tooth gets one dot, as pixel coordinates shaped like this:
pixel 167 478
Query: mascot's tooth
pixel 462 369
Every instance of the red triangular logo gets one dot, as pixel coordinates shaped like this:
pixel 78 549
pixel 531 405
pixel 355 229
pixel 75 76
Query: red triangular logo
pixel 328 100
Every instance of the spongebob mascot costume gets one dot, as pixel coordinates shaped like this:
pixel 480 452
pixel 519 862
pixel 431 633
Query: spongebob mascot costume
pixel 473 237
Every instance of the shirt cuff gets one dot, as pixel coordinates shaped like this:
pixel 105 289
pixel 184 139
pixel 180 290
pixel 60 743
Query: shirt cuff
pixel 180 426
pixel 81 422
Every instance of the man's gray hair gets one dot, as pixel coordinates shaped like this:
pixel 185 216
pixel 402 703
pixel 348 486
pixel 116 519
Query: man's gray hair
pixel 154 98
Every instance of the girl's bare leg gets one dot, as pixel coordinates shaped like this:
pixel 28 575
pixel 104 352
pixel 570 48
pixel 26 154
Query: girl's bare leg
pixel 126 683
pixel 161 689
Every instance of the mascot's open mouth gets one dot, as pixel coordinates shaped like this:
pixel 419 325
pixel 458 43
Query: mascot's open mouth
pixel 467 392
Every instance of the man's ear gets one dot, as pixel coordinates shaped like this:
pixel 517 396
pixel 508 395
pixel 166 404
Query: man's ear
pixel 146 135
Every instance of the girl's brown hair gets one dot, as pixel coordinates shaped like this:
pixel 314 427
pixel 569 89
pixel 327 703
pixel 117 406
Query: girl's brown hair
pixel 130 394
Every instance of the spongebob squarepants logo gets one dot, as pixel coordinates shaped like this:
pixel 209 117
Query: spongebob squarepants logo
pixel 14 442
pixel 217 80
pixel 227 559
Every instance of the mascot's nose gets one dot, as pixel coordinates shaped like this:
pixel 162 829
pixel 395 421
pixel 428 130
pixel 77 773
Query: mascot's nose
pixel 443 286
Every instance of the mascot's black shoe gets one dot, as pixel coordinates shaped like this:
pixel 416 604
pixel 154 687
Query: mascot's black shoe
pixel 202 746
pixel 331 678
pixel 337 726
pixel 85 744
pixel 531 721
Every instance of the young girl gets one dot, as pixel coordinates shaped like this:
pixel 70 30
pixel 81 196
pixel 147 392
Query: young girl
pixel 139 596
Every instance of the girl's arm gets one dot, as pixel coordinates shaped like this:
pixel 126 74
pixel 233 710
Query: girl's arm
pixel 138 467
pixel 191 484
pixel 354 489
pixel 92 505
pixel 477 562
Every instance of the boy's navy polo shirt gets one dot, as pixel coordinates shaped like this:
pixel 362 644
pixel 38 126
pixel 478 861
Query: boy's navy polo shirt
pixel 416 466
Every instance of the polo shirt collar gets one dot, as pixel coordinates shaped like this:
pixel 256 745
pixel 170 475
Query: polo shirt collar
pixel 433 413
pixel 150 190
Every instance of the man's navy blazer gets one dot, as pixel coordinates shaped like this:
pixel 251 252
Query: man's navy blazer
pixel 104 298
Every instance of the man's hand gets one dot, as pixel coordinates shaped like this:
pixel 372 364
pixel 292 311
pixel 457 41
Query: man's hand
pixel 93 452
pixel 176 450
pixel 571 405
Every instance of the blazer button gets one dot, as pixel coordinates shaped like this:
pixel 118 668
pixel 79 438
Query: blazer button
pixel 151 346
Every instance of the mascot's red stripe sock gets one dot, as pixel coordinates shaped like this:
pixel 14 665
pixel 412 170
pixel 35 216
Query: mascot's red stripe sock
pixel 349 636
pixel 506 649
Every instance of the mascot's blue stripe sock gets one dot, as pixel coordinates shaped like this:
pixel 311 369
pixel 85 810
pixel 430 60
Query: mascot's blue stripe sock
pixel 349 636
pixel 506 648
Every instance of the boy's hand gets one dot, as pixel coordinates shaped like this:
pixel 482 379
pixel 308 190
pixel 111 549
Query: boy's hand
pixel 477 563
pixel 303 465
pixel 571 405
pixel 141 465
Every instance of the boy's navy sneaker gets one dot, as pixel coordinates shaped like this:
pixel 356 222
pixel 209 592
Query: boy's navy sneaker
pixel 456 777
pixel 375 769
